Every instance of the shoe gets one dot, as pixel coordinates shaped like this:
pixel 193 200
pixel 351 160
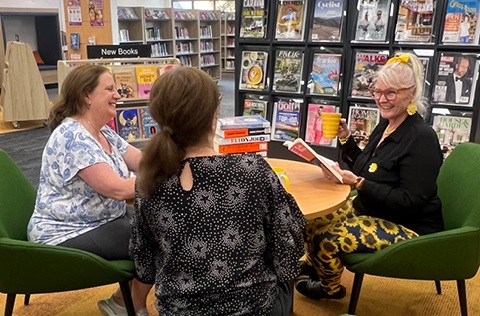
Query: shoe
pixel 313 290
pixel 142 312
pixel 110 307
pixel 307 272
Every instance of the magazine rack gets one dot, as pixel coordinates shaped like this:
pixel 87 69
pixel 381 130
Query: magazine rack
pixel 368 30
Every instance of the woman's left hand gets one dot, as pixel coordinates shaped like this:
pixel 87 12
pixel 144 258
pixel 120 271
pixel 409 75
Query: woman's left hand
pixel 348 176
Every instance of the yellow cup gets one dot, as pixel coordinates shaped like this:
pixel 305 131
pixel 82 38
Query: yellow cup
pixel 330 123
pixel 282 176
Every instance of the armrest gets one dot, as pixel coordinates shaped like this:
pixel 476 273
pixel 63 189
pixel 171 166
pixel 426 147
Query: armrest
pixel 447 255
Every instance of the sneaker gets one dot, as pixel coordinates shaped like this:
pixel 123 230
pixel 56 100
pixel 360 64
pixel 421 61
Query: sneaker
pixel 142 312
pixel 313 290
pixel 110 307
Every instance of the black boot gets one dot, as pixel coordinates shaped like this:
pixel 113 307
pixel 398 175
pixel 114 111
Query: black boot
pixel 307 271
pixel 313 290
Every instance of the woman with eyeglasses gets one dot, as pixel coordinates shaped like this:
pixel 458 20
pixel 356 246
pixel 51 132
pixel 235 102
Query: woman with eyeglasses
pixel 394 176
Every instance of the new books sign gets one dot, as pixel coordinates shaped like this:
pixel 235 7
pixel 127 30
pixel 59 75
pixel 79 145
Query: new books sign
pixel 118 51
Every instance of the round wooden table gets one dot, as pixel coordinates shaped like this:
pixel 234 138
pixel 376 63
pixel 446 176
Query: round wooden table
pixel 315 195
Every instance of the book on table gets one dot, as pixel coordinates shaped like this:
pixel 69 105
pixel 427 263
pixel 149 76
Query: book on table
pixel 302 149
pixel 241 126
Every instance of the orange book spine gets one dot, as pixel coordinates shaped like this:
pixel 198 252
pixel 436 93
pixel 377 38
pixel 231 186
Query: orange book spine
pixel 242 148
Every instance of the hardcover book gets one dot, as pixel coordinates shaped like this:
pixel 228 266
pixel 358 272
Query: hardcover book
pixel 125 83
pixel 325 74
pixel 287 75
pixel 314 128
pixel 146 76
pixel 290 22
pixel 240 148
pixel 252 73
pixel 253 19
pixel 301 149
pixel 366 65
pixel 452 130
pixel 461 20
pixel 148 125
pixel 128 124
pixel 240 140
pixel 255 105
pixel 456 79
pixel 415 21
pixel 286 119
pixel 242 132
pixel 362 120
pixel 327 21
pixel 372 20
pixel 236 122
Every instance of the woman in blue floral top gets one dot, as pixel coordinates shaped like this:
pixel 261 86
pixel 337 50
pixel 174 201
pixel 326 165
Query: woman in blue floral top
pixel 85 177
pixel 218 234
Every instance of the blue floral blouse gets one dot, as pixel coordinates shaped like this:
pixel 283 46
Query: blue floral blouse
pixel 66 206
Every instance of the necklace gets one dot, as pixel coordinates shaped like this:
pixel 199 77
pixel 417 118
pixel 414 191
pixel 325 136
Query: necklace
pixel 97 137
pixel 387 132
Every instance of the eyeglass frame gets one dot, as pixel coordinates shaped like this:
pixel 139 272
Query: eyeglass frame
pixel 373 92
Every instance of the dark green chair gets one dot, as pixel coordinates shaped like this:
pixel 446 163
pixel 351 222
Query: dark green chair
pixel 30 268
pixel 453 254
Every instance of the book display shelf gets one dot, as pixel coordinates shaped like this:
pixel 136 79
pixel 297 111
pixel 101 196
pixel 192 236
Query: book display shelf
pixel 299 58
pixel 228 41
pixel 134 78
pixel 192 36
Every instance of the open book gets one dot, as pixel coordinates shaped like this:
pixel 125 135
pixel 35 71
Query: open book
pixel 300 148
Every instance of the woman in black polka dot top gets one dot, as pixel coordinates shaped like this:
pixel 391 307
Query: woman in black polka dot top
pixel 217 234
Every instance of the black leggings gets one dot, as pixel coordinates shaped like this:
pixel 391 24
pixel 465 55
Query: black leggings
pixel 109 241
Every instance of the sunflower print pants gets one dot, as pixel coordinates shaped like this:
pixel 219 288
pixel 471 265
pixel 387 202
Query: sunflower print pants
pixel 329 237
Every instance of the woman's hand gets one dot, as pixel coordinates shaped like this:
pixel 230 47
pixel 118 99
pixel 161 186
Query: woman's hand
pixel 343 131
pixel 348 176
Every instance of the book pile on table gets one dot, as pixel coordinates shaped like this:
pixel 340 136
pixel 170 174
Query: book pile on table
pixel 242 134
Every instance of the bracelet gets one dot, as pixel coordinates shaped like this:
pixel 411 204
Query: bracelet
pixel 344 140
pixel 359 183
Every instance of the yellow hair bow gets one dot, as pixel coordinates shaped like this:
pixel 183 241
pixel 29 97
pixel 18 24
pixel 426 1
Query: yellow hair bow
pixel 398 59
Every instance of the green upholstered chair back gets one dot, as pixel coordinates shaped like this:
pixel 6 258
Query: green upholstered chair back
pixel 458 186
pixel 17 199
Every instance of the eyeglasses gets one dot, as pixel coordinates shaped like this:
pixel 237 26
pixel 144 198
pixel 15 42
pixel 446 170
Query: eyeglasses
pixel 220 96
pixel 389 94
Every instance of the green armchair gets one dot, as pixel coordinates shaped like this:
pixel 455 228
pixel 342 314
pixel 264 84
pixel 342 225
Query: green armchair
pixel 453 254
pixel 30 268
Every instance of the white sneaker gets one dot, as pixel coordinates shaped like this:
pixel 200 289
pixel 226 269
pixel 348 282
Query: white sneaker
pixel 110 307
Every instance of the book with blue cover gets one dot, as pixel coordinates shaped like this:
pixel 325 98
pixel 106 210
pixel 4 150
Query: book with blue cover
pixel 235 122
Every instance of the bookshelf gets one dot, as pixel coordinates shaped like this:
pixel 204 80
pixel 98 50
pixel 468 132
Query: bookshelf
pixel 406 25
pixel 210 43
pixel 228 42
pixel 186 29
pixel 130 25
pixel 159 31
pixel 133 106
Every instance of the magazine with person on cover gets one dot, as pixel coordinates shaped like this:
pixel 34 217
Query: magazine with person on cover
pixel 367 63
pixel 314 127
pixel 290 22
pixel 372 20
pixel 461 20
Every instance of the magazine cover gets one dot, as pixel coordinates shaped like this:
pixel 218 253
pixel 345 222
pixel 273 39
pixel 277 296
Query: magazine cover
pixel 366 64
pixel 286 119
pixel 361 121
pixel 255 105
pixel 372 20
pixel 461 22
pixel 128 124
pixel 314 129
pixel 325 74
pixel 253 19
pixel 415 21
pixel 455 80
pixel 148 125
pixel 287 75
pixel 327 21
pixel 252 74
pixel 290 22
pixel 425 62
pixel 452 130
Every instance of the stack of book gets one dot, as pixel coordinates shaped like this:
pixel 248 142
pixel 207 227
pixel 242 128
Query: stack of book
pixel 242 134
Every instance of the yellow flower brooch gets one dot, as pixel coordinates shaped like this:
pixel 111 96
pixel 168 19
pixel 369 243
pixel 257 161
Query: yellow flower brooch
pixel 373 167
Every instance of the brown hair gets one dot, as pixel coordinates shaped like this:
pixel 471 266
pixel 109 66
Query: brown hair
pixel 77 85
pixel 184 102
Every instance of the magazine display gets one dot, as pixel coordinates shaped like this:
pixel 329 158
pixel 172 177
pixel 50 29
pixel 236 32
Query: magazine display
pixel 314 128
pixel 325 74
pixel 455 82
pixel 252 74
pixel 461 22
pixel 372 20
pixel 287 75
pixel 255 105
pixel 451 131
pixel 366 65
pixel 286 119
pixel 301 149
pixel 362 120
pixel 290 22
pixel 253 22
pixel 415 21
pixel 327 21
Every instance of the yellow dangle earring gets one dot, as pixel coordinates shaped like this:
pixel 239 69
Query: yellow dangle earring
pixel 411 109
